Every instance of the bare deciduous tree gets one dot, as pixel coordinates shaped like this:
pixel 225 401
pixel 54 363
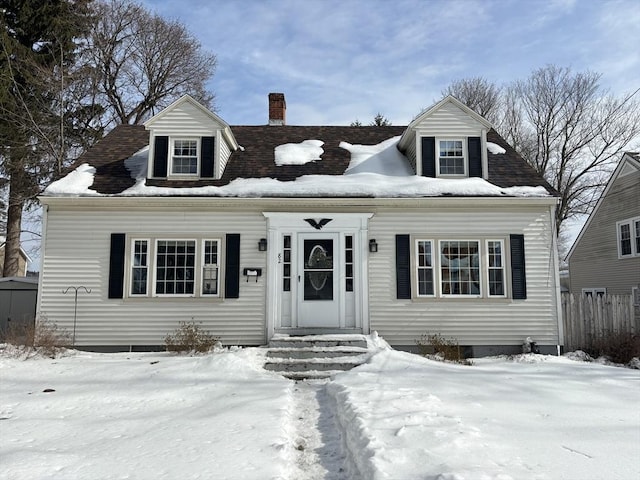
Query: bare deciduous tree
pixel 479 94
pixel 575 133
pixel 140 62
pixel 564 124
pixel 62 85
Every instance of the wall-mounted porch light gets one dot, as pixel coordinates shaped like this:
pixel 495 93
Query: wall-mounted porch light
pixel 262 245
pixel 373 246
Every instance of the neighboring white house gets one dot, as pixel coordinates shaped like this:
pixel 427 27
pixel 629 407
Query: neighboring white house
pixel 605 258
pixel 435 227
pixel 23 261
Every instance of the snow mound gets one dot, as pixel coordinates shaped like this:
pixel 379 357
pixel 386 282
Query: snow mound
pixel 495 148
pixel 383 158
pixel 75 183
pixel 298 153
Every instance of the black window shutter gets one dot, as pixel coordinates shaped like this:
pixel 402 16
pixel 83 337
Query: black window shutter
pixel 207 157
pixel 403 268
pixel 232 266
pixel 518 272
pixel 116 265
pixel 160 156
pixel 428 157
pixel 475 156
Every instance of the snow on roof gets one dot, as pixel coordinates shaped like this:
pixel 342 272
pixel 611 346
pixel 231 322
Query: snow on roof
pixel 383 158
pixel 374 171
pixel 495 148
pixel 298 153
pixel 75 183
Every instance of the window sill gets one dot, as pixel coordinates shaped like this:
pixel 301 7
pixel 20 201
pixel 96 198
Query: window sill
pixel 450 299
pixel 179 299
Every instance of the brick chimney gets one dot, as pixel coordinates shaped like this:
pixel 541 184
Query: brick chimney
pixel 277 109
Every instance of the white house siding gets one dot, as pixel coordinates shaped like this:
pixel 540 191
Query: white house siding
pixel 471 321
pixel 449 121
pixel 76 253
pixel 225 153
pixel 185 119
pixel 411 154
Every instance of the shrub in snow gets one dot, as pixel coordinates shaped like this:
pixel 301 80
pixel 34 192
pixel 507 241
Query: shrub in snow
pixel 189 337
pixel 41 337
pixel 440 348
pixel 616 346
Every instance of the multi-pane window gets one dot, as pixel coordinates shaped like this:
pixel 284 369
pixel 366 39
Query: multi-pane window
pixel 348 262
pixel 210 267
pixel 139 267
pixel 451 157
pixel 460 267
pixel 424 262
pixel 184 160
pixel 495 268
pixel 628 233
pixel 175 267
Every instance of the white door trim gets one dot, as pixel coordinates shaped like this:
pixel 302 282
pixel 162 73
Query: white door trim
pixel 287 223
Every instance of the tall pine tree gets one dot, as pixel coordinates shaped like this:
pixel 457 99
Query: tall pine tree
pixel 37 49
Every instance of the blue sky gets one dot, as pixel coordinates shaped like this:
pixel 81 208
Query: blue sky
pixel 338 60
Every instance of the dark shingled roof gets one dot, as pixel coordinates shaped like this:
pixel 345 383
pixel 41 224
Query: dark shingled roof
pixel 256 157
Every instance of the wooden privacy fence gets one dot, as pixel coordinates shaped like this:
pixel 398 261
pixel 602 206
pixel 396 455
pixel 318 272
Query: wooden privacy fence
pixel 587 319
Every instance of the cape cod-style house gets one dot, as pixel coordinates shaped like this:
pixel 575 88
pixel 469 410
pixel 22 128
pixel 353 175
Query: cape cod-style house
pixel 435 227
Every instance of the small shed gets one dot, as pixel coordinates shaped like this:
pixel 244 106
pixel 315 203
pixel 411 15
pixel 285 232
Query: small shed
pixel 18 298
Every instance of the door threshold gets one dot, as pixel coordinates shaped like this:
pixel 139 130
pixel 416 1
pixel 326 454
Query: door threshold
pixel 317 331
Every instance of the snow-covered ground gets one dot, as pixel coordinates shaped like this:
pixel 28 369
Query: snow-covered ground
pixel 160 416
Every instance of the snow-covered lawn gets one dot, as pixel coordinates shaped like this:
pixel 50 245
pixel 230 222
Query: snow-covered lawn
pixel 159 416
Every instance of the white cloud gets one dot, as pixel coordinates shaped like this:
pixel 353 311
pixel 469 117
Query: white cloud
pixel 337 61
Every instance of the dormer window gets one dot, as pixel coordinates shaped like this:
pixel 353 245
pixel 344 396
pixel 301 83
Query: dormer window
pixel 451 157
pixel 184 159
pixel 188 142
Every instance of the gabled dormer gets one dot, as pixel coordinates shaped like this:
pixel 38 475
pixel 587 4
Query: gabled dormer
pixel 188 142
pixel 448 140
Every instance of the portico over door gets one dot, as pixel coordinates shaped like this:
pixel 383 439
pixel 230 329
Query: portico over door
pixel 320 268
pixel 317 273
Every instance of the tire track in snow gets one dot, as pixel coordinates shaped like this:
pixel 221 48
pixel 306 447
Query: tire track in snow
pixel 320 452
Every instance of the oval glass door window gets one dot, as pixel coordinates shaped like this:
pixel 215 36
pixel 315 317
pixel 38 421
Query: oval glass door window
pixel 318 269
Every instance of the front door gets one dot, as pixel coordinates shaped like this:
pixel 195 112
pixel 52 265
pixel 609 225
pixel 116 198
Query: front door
pixel 318 280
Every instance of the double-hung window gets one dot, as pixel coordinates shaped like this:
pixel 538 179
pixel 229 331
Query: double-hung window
pixel 460 268
pixel 184 156
pixel 139 267
pixel 210 267
pixel 424 266
pixel 451 157
pixel 628 237
pixel 495 268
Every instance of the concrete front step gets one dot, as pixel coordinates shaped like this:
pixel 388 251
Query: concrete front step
pixel 315 356
pixel 313 352
pixel 344 340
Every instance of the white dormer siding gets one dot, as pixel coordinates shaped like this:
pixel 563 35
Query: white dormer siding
pixel 447 123
pixel 187 120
